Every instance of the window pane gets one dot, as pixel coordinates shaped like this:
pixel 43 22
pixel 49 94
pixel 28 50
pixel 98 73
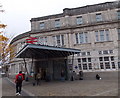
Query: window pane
pixel 45 40
pixel 110 51
pixel 76 35
pixel 84 60
pixel 62 39
pixel 101 66
pixel 102 35
pixel 80 66
pixel 88 53
pixel 98 17
pixel 54 41
pixel 100 52
pixel 58 40
pixel 112 58
pixel 86 37
pixel 100 58
pixel 79 60
pixel 83 53
pixel 97 36
pixel 106 58
pixel 119 34
pixel 79 20
pixel 90 66
pixel 81 38
pixel 118 14
pixel 89 59
pixel 105 52
pixel 42 25
pixel 107 35
pixel 107 65
pixel 84 66
pixel 113 65
pixel 57 23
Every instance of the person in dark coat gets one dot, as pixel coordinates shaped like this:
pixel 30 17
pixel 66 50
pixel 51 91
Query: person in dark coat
pixel 98 77
pixel 80 75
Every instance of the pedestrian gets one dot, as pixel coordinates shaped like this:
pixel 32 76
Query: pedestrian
pixel 38 78
pixel 98 77
pixel 80 75
pixel 73 74
pixel 18 80
pixel 62 75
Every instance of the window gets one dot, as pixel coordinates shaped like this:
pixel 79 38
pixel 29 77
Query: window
pixel 57 23
pixel 101 66
pixel 62 39
pixel 88 53
pixel 81 38
pixel 79 60
pixel 42 40
pixel 118 14
pixel 89 59
pixel 98 17
pixel 100 58
pixel 97 36
pixel 42 25
pixel 110 51
pixel 112 58
pixel 86 37
pixel 113 65
pixel 100 52
pixel 101 35
pixel 79 20
pixel 105 52
pixel 54 40
pixel 118 64
pixel 106 58
pixel 84 60
pixel 58 40
pixel 80 67
pixel 76 35
pixel 90 65
pixel 45 40
pixel 118 33
pixel 107 65
pixel 84 66
pixel 83 53
pixel 107 35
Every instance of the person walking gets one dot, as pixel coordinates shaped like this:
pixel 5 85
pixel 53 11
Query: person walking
pixel 18 80
pixel 62 75
pixel 80 75
pixel 38 78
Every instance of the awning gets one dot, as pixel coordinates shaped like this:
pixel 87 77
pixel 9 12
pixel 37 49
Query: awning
pixel 42 51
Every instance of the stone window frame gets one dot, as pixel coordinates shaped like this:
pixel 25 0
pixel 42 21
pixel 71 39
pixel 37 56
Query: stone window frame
pixel 99 17
pixel 57 23
pixel 79 20
pixel 42 25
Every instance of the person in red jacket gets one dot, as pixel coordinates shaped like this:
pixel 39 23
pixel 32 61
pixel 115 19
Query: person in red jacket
pixel 18 80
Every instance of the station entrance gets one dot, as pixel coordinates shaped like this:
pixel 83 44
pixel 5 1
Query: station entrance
pixel 50 61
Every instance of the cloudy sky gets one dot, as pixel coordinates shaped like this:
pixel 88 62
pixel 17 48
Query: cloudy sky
pixel 18 13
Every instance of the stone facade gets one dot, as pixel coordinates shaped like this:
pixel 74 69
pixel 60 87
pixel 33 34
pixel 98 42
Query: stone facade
pixel 93 29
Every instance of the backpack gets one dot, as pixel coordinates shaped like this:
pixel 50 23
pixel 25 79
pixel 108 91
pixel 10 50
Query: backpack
pixel 19 78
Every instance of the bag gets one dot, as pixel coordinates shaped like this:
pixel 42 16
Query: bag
pixel 19 78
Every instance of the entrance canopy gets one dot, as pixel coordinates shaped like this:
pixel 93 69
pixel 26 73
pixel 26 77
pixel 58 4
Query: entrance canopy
pixel 41 52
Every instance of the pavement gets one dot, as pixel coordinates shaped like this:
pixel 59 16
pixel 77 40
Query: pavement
pixel 107 86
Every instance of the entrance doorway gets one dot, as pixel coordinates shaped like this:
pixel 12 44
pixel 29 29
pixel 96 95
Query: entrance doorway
pixel 58 67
